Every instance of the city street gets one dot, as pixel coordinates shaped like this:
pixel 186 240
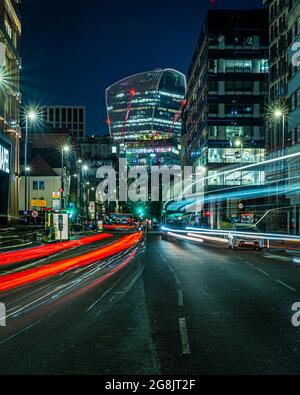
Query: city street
pixel 177 308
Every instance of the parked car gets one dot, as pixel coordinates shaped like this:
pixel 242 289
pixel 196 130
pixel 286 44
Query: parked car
pixel 237 239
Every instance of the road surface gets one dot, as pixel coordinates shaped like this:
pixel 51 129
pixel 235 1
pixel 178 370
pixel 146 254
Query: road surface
pixel 179 308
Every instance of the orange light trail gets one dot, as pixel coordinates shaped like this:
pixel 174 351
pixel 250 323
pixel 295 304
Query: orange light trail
pixel 116 227
pixel 15 280
pixel 8 258
pixel 13 257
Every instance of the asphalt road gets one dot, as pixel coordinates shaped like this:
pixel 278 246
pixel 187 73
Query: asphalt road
pixel 179 308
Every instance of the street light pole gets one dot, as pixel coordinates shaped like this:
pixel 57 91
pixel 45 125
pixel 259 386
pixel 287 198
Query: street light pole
pixel 64 149
pixel 30 116
pixel 25 163
pixel 62 182
pixel 283 135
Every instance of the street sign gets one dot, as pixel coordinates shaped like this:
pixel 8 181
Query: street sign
pixel 34 214
pixel 241 206
pixel 56 195
pixel 56 200
pixel 39 203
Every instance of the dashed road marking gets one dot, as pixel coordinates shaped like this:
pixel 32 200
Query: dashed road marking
pixel 286 286
pixel 262 272
pixel 186 350
pixel 180 298
pixel 177 279
pixel 171 268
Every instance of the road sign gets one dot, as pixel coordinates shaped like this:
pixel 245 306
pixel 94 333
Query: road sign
pixel 39 203
pixel 241 206
pixel 34 214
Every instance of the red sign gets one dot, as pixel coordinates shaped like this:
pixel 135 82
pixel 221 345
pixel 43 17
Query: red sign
pixel 34 214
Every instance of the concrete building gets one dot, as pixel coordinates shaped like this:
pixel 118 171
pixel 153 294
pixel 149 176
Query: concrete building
pixel 95 151
pixel 70 118
pixel 10 99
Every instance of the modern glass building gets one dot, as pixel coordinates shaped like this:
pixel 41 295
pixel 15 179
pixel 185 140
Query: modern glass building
pixel 144 116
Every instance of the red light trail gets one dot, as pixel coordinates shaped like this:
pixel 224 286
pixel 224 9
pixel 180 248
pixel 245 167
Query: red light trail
pixel 13 257
pixel 116 227
pixel 25 277
pixel 132 94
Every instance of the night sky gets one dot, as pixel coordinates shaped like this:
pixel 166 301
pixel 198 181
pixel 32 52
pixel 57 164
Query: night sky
pixel 73 49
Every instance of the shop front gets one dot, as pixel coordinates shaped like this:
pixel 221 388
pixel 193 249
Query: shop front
pixel 5 150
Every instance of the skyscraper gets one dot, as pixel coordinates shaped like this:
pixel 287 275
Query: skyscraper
pixel 144 116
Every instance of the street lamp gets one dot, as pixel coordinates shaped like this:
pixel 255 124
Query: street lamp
pixel 280 115
pixel 64 151
pixel 240 143
pixel 83 168
pixel 30 117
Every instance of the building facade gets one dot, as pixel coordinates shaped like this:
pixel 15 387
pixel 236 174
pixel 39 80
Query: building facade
pixel 10 99
pixel 65 118
pixel 227 90
pixel 293 137
pixel 50 168
pixel 276 138
pixel 144 116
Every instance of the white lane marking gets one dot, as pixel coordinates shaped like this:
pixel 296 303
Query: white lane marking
pixel 171 269
pixel 286 286
pixel 112 299
pixel 262 272
pixel 26 329
pixel 180 298
pixel 184 337
pixel 249 264
pixel 15 312
pixel 177 279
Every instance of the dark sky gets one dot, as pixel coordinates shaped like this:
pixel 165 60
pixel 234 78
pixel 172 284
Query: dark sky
pixel 73 49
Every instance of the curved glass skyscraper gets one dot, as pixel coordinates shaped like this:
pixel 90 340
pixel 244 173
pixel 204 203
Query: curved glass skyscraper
pixel 144 116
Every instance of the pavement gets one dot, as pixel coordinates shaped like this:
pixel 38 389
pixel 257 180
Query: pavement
pixel 178 308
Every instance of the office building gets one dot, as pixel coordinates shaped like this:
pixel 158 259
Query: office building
pixel 227 91
pixel 65 118
pixel 144 116
pixel 293 136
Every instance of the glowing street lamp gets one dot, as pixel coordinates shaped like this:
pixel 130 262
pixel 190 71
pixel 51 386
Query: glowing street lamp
pixel 278 113
pixel 238 143
pixel 30 117
pixel 65 150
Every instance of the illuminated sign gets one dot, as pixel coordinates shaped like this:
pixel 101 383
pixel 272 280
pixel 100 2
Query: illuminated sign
pixel 39 203
pixel 4 159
